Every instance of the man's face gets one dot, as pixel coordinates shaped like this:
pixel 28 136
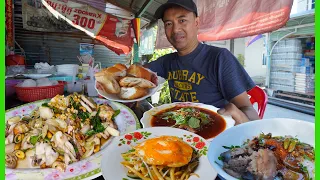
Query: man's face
pixel 181 27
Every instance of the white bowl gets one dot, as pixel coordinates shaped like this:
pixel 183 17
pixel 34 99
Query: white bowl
pixel 66 65
pixel 36 76
pixel 303 130
pixel 147 116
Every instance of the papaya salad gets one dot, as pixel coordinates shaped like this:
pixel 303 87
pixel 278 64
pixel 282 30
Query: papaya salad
pixel 161 158
pixel 63 131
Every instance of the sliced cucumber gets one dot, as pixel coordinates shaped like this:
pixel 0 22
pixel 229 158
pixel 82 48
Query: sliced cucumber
pixel 133 176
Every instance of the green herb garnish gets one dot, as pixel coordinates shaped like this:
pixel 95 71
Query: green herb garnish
pixel 303 168
pixel 83 115
pixel 97 125
pixel 74 116
pixel 221 158
pixel 131 150
pixel 45 105
pixel 190 110
pixel 194 122
pixel 34 139
pixel 116 113
pixel 46 140
pixel 180 120
pixel 74 104
pixel 307 157
pixel 55 110
pixel 90 132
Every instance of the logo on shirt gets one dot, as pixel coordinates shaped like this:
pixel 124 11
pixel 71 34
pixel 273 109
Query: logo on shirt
pixel 183 83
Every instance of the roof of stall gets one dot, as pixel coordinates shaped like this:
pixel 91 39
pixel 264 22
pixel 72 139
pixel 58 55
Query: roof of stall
pixel 130 8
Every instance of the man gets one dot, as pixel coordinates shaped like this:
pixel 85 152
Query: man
pixel 199 72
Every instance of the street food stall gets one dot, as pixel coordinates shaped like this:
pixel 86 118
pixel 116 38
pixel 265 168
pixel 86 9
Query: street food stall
pixel 77 106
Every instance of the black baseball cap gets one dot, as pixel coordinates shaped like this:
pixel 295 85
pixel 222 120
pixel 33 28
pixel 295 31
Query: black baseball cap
pixel 187 4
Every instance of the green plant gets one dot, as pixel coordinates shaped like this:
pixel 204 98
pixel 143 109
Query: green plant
pixel 241 59
pixel 165 91
pixel 160 52
pixel 165 97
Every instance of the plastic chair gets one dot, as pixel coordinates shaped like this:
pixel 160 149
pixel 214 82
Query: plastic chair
pixel 257 95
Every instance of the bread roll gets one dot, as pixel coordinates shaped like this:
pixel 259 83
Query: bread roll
pixel 109 84
pixel 136 82
pixel 120 66
pixel 101 73
pixel 111 71
pixel 130 93
pixel 139 72
pixel 115 72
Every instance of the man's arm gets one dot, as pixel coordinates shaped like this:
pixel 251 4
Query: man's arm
pixel 243 103
pixel 241 109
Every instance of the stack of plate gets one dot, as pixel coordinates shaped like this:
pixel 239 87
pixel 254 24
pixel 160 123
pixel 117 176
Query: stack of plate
pixel 67 69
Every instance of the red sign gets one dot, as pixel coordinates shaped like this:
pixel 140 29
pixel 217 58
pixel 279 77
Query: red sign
pixel 231 19
pixel 9 23
pixel 113 32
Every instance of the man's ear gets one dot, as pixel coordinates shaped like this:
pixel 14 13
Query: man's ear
pixel 197 21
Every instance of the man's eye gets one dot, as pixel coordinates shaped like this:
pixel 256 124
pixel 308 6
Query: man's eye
pixel 182 20
pixel 168 24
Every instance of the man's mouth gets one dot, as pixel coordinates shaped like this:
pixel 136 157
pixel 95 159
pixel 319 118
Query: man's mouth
pixel 178 38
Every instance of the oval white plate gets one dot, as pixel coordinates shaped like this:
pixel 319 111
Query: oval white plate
pixel 85 169
pixel 303 130
pixel 147 116
pixel 114 97
pixel 113 170
pixel 36 76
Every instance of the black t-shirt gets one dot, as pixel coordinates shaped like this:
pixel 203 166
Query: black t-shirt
pixel 209 75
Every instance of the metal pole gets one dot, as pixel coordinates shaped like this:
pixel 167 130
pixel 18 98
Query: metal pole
pixel 270 53
pixel 144 7
pixel 232 46
pixel 136 58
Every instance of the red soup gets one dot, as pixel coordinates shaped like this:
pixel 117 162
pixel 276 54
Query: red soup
pixel 208 130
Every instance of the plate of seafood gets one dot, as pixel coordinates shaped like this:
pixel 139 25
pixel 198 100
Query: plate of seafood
pixel 63 137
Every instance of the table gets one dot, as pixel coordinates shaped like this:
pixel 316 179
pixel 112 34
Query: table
pixel 138 108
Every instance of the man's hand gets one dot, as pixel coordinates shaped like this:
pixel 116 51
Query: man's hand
pixel 232 110
pixel 241 109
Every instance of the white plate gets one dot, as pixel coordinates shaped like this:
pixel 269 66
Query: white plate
pixel 88 168
pixel 114 97
pixel 303 130
pixel 36 76
pixel 113 170
pixel 147 116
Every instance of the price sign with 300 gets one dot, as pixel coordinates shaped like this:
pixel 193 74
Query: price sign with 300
pixel 84 21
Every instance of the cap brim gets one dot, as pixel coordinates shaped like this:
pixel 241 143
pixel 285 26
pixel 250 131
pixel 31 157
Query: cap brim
pixel 160 11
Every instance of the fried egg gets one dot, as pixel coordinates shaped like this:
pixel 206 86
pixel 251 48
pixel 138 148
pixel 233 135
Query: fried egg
pixel 168 151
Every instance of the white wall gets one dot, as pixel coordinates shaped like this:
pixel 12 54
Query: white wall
pixel 239 47
pixel 253 59
pixel 222 44
pixel 253 54
pixel 300 6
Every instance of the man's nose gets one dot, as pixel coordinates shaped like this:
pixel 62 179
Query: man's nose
pixel 176 27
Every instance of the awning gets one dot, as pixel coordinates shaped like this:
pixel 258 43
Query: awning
pixel 231 19
pixel 114 32
pixel 219 19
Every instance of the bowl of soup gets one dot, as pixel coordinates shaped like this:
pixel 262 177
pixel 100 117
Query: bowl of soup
pixel 198 118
